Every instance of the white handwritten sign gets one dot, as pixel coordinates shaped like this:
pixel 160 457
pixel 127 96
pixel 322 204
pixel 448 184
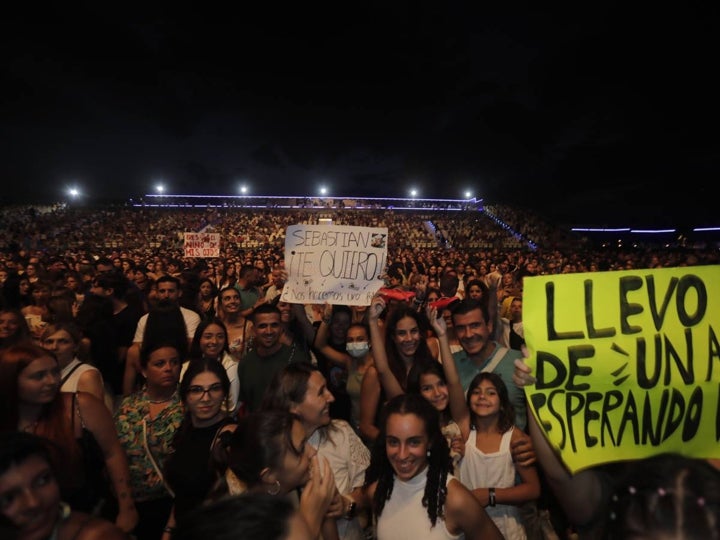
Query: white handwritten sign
pixel 337 264
pixel 202 244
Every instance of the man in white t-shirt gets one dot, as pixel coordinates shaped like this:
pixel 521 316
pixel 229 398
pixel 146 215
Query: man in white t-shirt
pixel 168 296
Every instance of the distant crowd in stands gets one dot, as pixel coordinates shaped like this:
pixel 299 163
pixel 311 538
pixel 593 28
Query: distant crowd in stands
pixel 167 384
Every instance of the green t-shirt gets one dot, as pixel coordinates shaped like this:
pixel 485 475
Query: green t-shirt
pixel 467 369
pixel 255 372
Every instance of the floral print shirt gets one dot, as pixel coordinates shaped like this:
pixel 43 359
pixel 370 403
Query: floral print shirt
pixel 132 421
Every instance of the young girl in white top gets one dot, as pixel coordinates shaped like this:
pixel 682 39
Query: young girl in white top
pixel 486 419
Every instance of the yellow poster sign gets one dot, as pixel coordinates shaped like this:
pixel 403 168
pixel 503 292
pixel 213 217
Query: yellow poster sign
pixel 627 363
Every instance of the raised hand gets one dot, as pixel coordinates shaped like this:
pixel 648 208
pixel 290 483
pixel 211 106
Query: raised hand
pixel 318 494
pixel 377 306
pixel 438 323
pixel 522 374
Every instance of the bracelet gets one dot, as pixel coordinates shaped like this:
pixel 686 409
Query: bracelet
pixel 168 529
pixel 491 497
pixel 352 507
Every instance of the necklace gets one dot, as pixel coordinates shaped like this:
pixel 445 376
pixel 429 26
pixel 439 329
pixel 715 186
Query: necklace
pixel 158 401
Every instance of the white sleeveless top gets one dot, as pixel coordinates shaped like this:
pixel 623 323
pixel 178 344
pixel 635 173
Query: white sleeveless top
pixel 494 469
pixel 70 385
pixel 405 518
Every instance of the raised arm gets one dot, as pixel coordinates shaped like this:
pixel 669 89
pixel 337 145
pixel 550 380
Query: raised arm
pixel 377 339
pixel 458 405
pixel 369 404
pixel 580 495
pixel 306 326
pixel 321 341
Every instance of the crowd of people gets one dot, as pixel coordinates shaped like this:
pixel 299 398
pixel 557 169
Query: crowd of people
pixel 150 394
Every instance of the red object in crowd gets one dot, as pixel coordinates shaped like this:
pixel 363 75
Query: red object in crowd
pixel 442 303
pixel 396 294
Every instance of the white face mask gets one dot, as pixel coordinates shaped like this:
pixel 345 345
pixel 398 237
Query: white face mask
pixel 357 349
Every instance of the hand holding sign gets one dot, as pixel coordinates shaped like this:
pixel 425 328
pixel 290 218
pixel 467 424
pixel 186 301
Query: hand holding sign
pixel 334 263
pixel 625 362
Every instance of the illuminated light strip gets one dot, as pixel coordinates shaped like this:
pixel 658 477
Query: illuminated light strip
pixel 580 229
pixel 656 231
pixel 410 199
pixel 705 229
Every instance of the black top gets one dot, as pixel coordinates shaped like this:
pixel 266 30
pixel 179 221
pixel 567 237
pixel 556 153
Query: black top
pixel 189 471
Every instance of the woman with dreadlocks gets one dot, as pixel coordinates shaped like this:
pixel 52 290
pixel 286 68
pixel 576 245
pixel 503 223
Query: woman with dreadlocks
pixel 413 494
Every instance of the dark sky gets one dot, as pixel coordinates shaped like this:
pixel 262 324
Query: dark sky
pixel 592 114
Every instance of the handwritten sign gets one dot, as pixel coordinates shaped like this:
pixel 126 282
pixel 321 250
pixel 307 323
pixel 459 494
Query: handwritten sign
pixel 202 244
pixel 337 264
pixel 627 363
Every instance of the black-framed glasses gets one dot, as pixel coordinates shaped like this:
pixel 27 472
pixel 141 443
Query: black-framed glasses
pixel 198 392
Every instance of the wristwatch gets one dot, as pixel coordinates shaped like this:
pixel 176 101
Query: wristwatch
pixel 352 506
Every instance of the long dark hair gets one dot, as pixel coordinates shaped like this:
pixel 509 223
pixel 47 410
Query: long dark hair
pixel 195 367
pixel 166 321
pixel 250 516
pixel 439 462
pixel 667 496
pixel 260 441
pixel 289 387
pixel 506 418
pixel 414 379
pixel 195 351
pixel 396 363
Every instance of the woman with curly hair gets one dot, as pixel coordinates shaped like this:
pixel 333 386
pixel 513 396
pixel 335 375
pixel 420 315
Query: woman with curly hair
pixel 413 494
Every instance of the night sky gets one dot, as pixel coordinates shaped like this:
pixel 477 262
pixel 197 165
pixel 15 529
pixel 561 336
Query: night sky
pixel 592 114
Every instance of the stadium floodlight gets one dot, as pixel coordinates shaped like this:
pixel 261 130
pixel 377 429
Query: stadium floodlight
pixel 413 192
pixel 323 190
pixel 468 194
pixel 73 192
pixel 160 188
pixel 243 189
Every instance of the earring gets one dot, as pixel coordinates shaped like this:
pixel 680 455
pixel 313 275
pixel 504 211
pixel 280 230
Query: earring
pixel 65 511
pixel 275 489
pixel 427 453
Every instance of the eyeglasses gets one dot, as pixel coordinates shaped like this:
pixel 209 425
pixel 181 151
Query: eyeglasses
pixel 198 392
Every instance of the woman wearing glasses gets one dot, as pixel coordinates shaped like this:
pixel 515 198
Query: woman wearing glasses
pixel 204 391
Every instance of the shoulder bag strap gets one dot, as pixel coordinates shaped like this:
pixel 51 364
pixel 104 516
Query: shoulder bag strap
pixel 499 355
pixel 67 375
pixel 152 460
